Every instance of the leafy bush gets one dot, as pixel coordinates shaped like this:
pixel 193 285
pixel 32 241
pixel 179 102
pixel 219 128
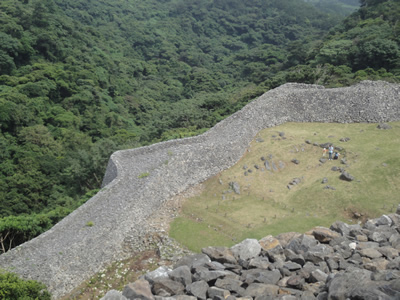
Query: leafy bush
pixel 12 287
pixel 14 230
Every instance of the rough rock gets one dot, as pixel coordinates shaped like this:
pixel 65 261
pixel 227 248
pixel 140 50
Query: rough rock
pixel 181 274
pixel 235 187
pixel 249 248
pixel 220 254
pixel 269 242
pixel 346 176
pixel 322 234
pixel 261 289
pixel 113 295
pixel 342 262
pixel 139 289
pixel 198 289
pixel 217 293
pixel 167 287
pixel 384 126
pixel 192 260
pixel 161 272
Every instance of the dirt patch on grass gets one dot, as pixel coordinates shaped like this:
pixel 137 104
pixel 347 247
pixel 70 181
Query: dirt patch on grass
pixel 356 214
pixel 117 276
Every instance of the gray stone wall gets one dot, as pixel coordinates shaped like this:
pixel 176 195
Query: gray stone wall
pixel 71 251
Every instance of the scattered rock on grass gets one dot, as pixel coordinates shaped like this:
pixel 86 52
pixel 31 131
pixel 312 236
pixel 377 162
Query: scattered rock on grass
pixel 295 161
pixel 346 176
pixel 235 187
pixel 384 126
pixel 293 182
pixel 328 187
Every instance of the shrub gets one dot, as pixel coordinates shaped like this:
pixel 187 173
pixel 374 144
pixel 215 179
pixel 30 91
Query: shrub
pixel 12 287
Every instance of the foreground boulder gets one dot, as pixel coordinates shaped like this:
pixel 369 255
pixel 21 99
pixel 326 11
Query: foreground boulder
pixel 340 262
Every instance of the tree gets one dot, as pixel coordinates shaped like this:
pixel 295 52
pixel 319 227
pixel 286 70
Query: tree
pixel 371 2
pixel 378 53
pixel 15 230
pixel 14 288
pixel 7 64
pixel 336 52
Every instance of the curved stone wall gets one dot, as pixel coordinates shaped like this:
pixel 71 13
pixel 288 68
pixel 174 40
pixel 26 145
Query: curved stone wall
pixel 138 181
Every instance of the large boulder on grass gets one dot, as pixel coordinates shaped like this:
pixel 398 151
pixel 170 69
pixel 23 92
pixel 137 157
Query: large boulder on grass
pixel 235 187
pixel 384 126
pixel 346 176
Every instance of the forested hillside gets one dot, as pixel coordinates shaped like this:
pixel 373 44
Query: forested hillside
pixel 363 46
pixel 80 79
pixel 341 7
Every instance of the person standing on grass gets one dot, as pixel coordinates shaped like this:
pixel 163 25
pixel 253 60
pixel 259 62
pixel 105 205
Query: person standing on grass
pixel 330 150
pixel 336 156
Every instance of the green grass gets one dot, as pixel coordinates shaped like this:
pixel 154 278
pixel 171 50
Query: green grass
pixel 266 206
pixel 143 175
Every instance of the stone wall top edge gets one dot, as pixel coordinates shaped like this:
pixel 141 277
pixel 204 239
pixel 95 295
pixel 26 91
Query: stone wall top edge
pixel 294 89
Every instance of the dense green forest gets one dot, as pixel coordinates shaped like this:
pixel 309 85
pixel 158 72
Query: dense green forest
pixel 80 79
pixel 341 7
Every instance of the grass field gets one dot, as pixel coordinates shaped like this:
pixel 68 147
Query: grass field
pixel 220 217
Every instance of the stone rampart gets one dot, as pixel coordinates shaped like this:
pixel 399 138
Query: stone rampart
pixel 138 181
